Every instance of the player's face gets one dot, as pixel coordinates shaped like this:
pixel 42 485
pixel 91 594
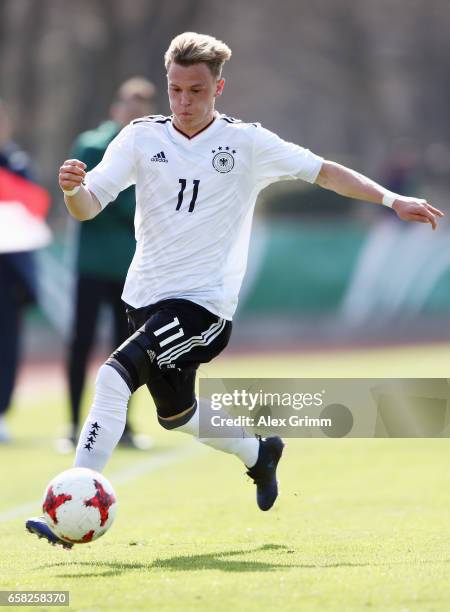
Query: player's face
pixel 192 93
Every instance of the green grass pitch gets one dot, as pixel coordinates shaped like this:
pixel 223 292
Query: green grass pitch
pixel 359 525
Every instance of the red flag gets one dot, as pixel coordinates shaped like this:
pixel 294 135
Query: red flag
pixel 14 188
pixel 23 207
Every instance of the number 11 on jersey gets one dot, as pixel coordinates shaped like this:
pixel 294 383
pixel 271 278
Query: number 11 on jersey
pixel 194 194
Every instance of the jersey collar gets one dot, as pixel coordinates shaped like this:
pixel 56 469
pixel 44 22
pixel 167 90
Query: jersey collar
pixel 204 133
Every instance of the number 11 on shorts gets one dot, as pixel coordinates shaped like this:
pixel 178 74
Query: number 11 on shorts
pixel 165 328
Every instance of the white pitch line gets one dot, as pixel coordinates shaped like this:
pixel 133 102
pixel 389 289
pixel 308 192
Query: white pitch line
pixel 123 476
pixel 151 464
pixel 19 511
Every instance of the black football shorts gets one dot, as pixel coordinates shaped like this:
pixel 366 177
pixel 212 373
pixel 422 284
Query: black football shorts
pixel 180 335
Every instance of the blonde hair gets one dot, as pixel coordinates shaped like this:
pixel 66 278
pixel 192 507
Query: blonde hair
pixel 191 48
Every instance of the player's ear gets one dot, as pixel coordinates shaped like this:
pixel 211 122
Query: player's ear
pixel 219 87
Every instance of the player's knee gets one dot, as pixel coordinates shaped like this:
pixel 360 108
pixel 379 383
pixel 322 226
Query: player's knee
pixel 174 395
pixel 110 382
pixel 132 362
pixel 177 418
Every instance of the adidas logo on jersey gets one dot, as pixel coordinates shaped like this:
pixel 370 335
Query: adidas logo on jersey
pixel 159 157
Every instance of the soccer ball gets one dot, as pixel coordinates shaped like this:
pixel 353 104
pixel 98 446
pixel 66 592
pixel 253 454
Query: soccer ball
pixel 79 505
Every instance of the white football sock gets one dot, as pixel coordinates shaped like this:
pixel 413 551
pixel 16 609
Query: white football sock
pixel 105 422
pixel 243 445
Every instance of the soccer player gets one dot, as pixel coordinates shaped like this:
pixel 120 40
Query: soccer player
pixel 197 175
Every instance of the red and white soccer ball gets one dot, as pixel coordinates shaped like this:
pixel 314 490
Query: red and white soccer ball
pixel 79 505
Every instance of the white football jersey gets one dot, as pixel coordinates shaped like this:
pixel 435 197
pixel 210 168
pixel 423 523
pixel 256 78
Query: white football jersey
pixel 194 203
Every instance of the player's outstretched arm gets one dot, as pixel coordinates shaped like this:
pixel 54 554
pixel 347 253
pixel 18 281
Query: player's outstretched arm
pixel 80 202
pixel 349 183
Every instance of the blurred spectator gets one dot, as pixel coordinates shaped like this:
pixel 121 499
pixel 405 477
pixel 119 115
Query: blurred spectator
pixel 372 285
pixel 106 246
pixel 17 266
pixel 401 171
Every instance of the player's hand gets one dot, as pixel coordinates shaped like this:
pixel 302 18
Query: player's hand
pixel 415 209
pixel 71 174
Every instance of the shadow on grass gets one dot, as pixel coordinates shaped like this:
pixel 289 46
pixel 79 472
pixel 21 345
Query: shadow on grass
pixel 211 561
pixel 182 563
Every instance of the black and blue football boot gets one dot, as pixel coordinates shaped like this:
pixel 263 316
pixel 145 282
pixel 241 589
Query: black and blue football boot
pixel 39 527
pixel 263 472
